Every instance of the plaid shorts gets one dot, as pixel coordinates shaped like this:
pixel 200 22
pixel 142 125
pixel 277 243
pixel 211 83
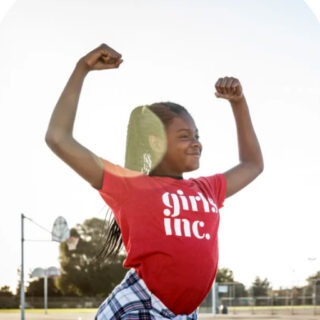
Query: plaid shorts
pixel 132 300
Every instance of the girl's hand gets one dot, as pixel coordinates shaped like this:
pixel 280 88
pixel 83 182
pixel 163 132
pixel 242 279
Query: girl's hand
pixel 103 57
pixel 229 88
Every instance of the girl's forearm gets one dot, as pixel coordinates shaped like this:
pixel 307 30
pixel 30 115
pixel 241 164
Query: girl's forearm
pixel 64 114
pixel 248 144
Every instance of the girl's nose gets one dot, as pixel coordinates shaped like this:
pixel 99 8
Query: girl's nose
pixel 196 143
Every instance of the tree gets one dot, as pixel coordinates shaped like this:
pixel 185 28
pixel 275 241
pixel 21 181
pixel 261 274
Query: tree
pixel 313 287
pixel 5 292
pixel 7 298
pixel 224 275
pixel 82 273
pixel 260 288
pixel 36 288
pixel 240 290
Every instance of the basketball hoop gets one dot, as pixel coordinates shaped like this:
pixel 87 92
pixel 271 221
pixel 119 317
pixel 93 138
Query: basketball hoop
pixel 60 230
pixel 72 243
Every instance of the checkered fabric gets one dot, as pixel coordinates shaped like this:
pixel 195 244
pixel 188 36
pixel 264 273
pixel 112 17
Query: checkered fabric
pixel 132 300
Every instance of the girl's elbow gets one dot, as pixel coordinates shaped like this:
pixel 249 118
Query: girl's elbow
pixel 259 167
pixel 53 140
pixel 50 139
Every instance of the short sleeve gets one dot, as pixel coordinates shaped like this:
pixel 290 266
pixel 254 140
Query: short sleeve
pixel 221 188
pixel 216 186
pixel 115 184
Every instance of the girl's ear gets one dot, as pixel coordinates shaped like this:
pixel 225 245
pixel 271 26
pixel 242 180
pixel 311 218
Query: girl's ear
pixel 158 145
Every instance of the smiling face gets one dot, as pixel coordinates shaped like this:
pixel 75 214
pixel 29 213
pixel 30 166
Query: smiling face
pixel 183 148
pixel 162 140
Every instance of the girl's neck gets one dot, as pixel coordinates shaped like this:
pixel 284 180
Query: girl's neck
pixel 173 176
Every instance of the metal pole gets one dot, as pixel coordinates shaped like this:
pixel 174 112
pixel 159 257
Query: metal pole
pixel 314 296
pixel 214 298
pixel 46 292
pixel 22 293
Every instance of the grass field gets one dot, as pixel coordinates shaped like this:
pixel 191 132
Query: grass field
pixel 296 313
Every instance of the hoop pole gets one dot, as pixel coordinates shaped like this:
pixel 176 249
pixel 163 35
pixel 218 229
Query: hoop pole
pixel 45 292
pixel 214 298
pixel 22 293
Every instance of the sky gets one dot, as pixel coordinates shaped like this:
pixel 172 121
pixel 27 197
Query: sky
pixel 172 50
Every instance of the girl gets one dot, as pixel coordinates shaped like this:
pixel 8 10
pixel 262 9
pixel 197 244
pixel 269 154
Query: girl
pixel 168 224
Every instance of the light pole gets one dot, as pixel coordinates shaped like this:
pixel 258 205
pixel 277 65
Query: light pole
pixel 22 293
pixel 314 287
pixel 60 233
pixel 45 274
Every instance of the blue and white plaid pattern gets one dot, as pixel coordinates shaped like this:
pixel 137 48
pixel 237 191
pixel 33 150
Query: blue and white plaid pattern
pixel 132 300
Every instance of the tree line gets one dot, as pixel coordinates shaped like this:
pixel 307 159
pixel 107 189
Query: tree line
pixel 85 273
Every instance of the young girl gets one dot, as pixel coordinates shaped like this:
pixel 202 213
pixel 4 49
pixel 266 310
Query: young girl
pixel 168 224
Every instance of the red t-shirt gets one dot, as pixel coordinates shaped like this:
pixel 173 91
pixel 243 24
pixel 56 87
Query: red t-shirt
pixel 170 232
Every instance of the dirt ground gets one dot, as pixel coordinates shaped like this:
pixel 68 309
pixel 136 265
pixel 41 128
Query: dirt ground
pixel 53 315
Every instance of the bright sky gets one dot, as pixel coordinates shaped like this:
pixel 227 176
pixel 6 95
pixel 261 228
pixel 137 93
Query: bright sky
pixel 172 50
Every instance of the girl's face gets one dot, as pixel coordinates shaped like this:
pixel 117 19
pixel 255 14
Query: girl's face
pixel 183 147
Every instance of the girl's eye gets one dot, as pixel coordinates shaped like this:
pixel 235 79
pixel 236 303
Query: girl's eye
pixel 185 136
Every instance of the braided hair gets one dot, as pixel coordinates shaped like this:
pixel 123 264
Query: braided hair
pixel 144 121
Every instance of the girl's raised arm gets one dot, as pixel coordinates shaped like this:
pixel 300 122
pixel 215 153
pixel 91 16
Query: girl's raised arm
pixel 59 135
pixel 250 156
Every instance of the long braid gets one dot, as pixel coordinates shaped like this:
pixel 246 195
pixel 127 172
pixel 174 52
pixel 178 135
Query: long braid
pixel 112 239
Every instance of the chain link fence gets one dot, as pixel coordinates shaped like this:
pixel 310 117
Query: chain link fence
pixel 224 299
